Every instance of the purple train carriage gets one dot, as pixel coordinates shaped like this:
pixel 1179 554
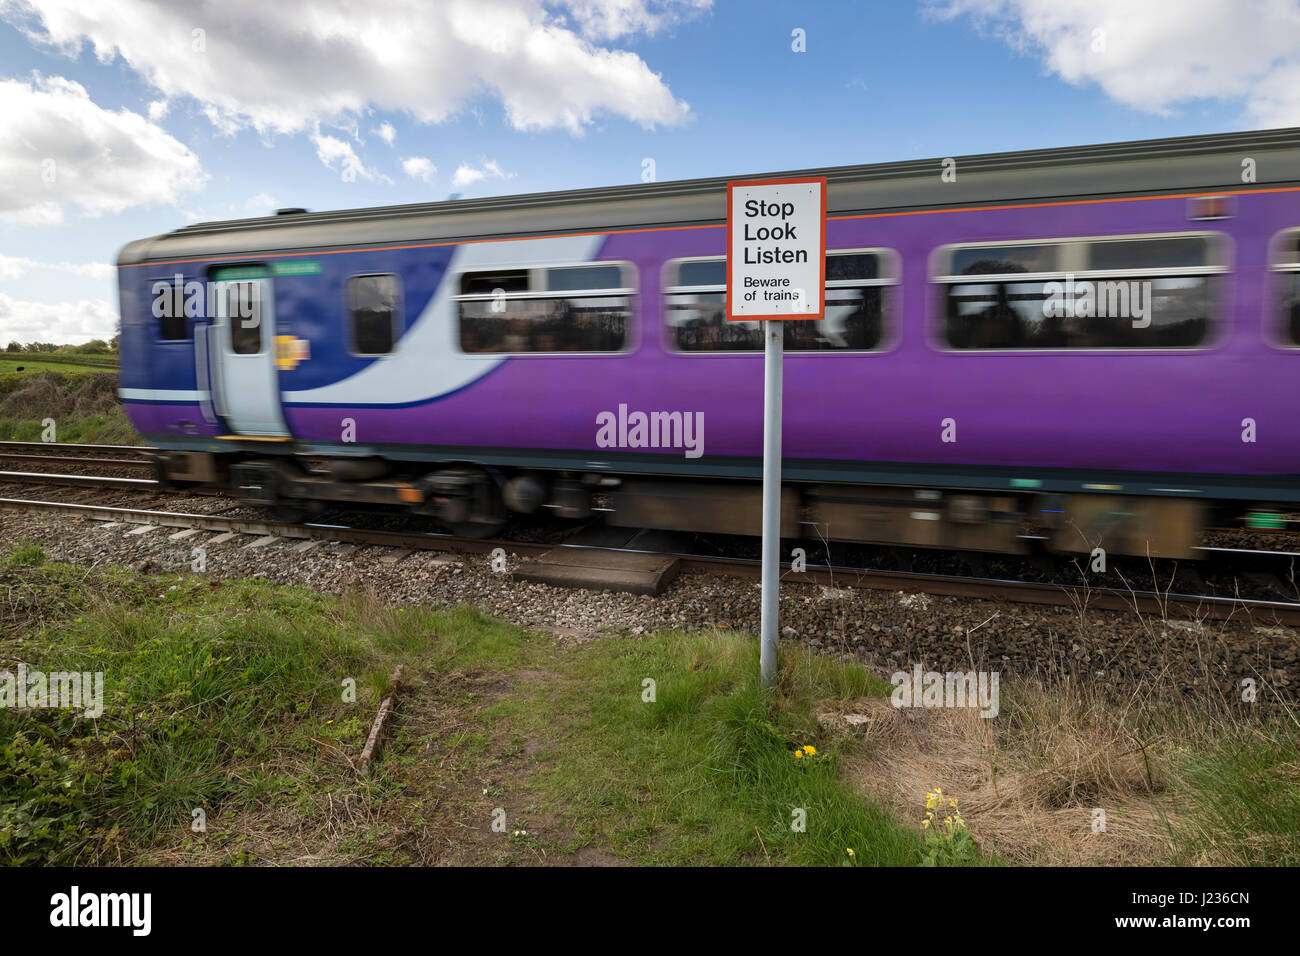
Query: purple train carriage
pixel 1100 342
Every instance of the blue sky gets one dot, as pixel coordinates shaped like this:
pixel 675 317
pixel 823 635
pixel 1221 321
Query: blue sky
pixel 335 103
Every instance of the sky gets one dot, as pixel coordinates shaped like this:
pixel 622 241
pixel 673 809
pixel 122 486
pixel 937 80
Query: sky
pixel 121 119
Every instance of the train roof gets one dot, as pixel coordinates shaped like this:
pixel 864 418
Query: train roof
pixel 1188 163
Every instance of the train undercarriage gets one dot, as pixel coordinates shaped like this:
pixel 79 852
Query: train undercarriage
pixel 476 501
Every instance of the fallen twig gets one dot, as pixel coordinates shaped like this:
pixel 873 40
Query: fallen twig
pixel 377 729
pixel 764 846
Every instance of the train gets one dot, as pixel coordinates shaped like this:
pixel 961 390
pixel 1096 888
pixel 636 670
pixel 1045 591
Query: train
pixel 1066 348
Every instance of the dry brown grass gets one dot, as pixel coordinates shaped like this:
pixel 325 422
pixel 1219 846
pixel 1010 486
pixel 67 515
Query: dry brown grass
pixel 1029 780
pixel 62 397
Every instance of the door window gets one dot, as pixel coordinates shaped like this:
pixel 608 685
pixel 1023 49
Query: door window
pixel 245 318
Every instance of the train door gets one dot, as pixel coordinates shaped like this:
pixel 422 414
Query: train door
pixel 241 349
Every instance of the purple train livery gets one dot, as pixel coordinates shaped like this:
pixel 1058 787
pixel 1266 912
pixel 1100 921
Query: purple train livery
pixel 1102 342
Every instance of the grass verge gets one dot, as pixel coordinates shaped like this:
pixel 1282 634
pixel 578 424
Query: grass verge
pixel 81 401
pixel 227 697
pixel 706 771
pixel 250 702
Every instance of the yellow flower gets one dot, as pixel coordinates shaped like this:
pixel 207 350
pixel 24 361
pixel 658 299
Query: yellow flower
pixel 925 824
pixel 798 754
pixel 849 850
pixel 811 750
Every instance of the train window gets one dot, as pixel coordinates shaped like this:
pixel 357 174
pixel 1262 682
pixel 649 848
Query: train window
pixel 245 317
pixel 1118 255
pixel 857 300
pixel 169 306
pixel 1287 266
pixel 1291 250
pixel 489 283
pixel 854 266
pixel 577 280
pixel 373 314
pixel 702 272
pixel 1155 292
pixel 560 309
pixel 1290 282
pixel 1006 260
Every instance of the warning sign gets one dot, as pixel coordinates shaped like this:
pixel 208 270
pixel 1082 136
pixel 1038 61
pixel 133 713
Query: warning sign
pixel 776 249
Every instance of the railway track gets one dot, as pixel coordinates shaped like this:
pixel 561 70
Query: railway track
pixel 72 449
pixel 59 454
pixel 981 586
pixel 80 481
pixel 1146 602
pixel 54 463
pixel 57 460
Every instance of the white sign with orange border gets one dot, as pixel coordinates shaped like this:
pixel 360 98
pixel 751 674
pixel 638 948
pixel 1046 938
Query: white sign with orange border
pixel 776 249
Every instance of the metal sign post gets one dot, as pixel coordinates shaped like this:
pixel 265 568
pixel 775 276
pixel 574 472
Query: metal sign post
pixel 776 269
pixel 769 617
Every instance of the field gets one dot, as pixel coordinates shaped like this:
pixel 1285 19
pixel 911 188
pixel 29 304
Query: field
pixel 518 746
pixel 17 363
pixel 80 398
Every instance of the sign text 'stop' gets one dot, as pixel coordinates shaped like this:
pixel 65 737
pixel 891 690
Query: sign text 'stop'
pixel 776 248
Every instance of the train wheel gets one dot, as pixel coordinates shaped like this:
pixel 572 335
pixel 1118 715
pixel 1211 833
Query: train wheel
pixel 468 501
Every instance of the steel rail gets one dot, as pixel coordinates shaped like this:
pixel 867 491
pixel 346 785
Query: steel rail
pixel 73 447
pixel 79 481
pixel 66 460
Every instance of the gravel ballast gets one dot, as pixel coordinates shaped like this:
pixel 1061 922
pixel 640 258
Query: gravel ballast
pixel 887 631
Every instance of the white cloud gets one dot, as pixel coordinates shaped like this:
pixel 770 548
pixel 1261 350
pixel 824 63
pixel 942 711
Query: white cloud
pixel 63 323
pixel 610 19
pixel 293 64
pixel 335 152
pixel 1158 54
pixel 386 132
pixel 418 167
pixel 58 148
pixel 13 267
pixel 158 109
pixel 467 175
